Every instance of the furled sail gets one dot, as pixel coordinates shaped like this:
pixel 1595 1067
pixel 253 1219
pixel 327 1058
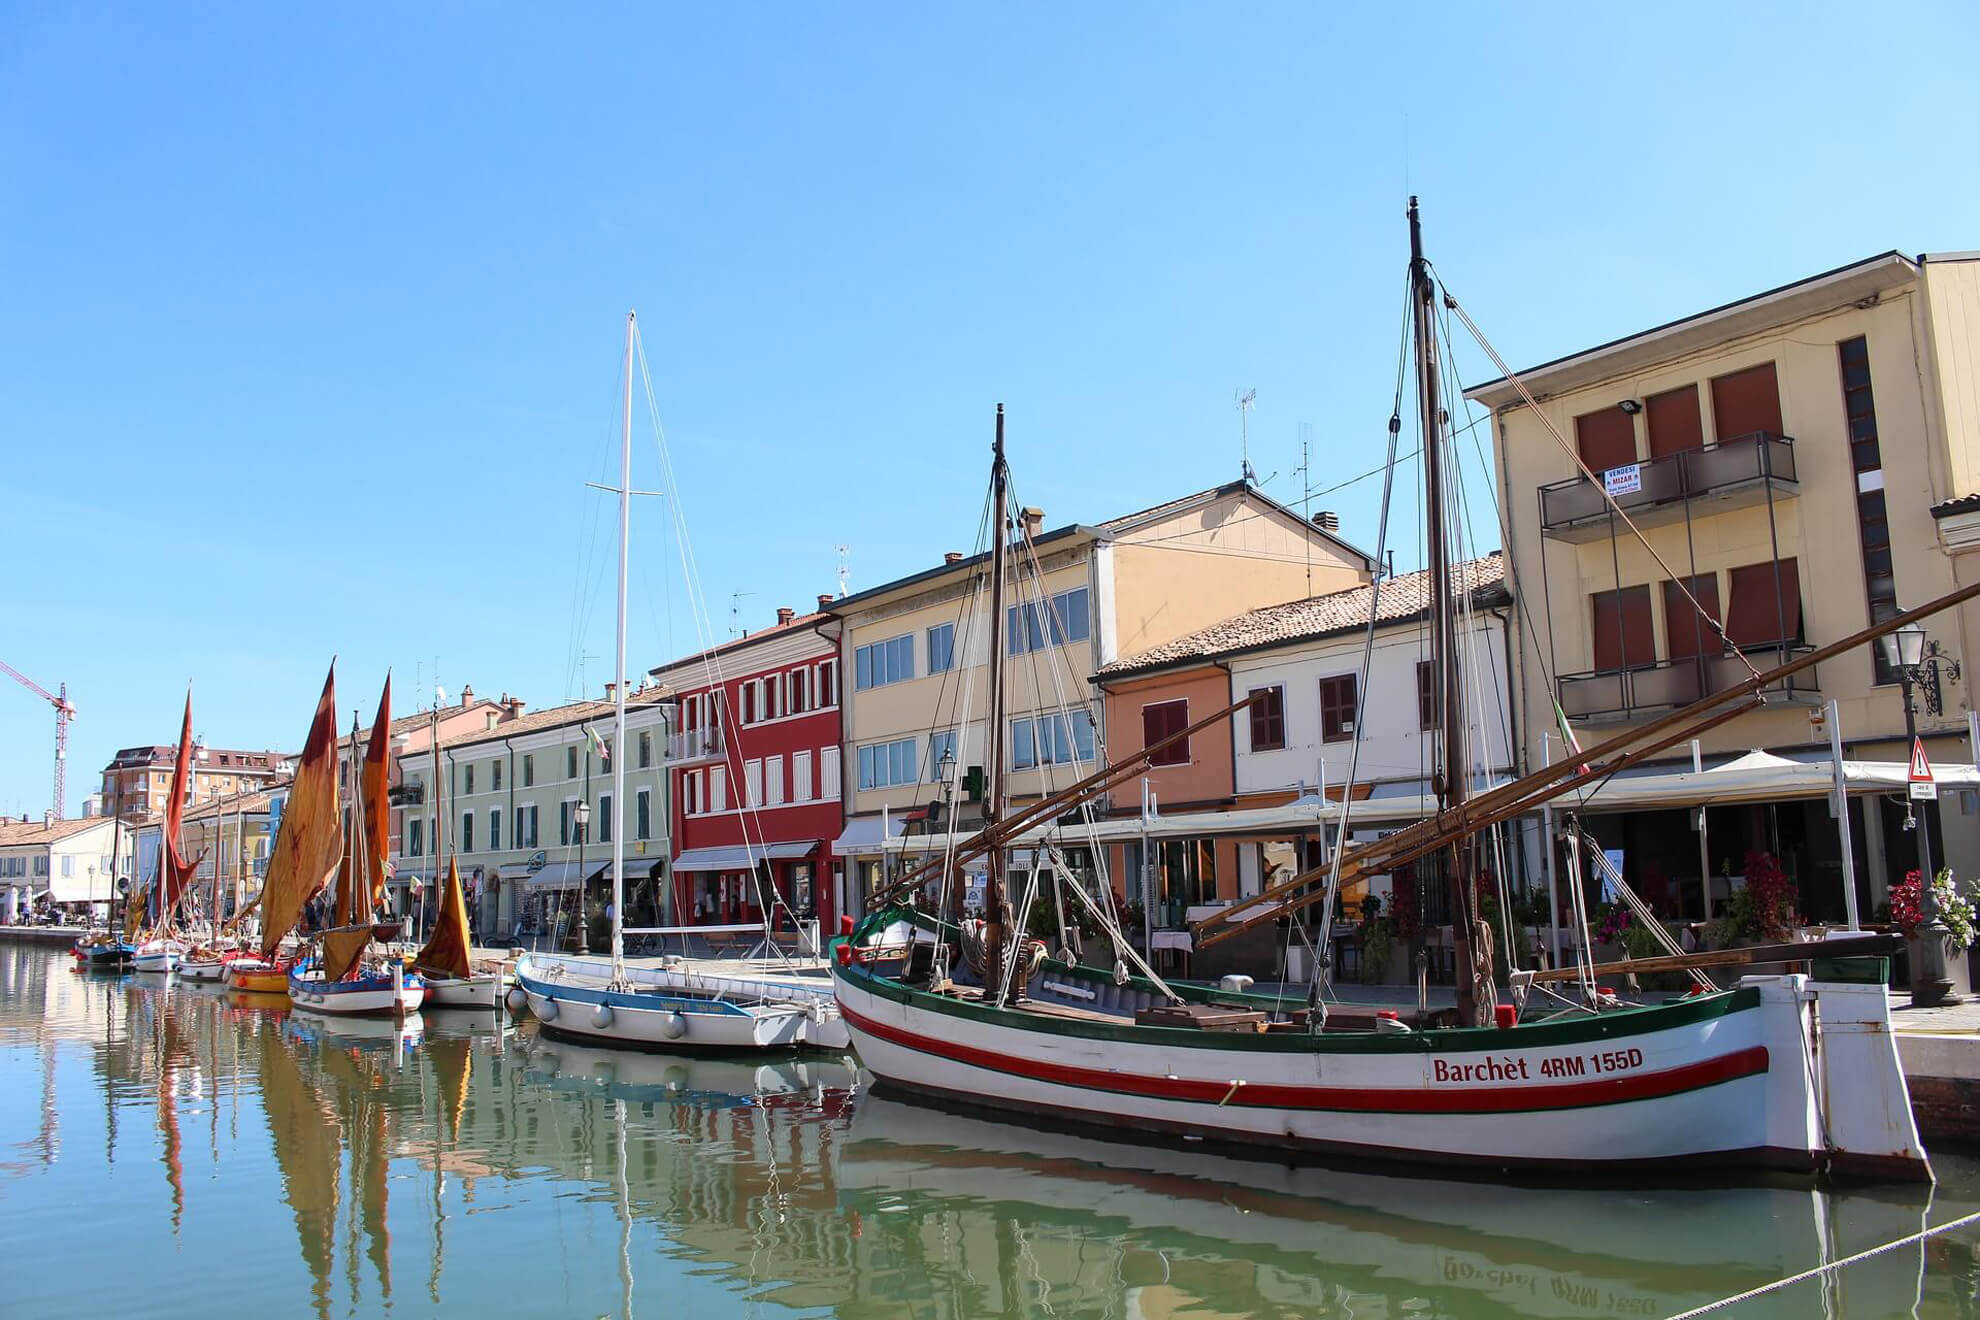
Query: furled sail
pixel 446 952
pixel 311 840
pixel 374 786
pixel 175 870
pixel 361 878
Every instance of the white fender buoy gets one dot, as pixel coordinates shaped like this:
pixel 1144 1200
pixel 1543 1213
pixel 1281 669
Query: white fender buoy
pixel 517 1000
pixel 601 1017
pixel 673 1026
pixel 548 1013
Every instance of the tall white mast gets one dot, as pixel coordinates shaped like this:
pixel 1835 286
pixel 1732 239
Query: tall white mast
pixel 619 685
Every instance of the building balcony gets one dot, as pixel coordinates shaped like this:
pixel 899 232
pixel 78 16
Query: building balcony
pixel 1618 695
pixel 1732 474
pixel 686 746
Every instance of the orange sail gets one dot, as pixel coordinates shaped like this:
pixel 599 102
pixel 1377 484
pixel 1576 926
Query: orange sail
pixel 311 840
pixel 177 871
pixel 342 949
pixel 369 842
pixel 446 952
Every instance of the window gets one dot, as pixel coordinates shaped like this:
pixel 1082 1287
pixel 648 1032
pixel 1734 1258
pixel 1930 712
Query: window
pixel 1872 516
pixel 1623 636
pixel 773 781
pixel 570 762
pixel 467 831
pixel 526 826
pixel 1765 604
pixel 470 776
pixel 884 765
pixel 691 799
pixel 1051 740
pixel 1268 719
pixel 68 867
pixel 752 784
pixel 604 817
pixel 1746 402
pixel 1337 708
pixel 940 744
pixel 529 770
pixel 941 648
pixel 1426 695
pixel 797 686
pixel 1606 438
pixel 564 823
pixel 1674 423
pixel 801 777
pixel 1166 719
pixel 879 663
pixel 718 788
pixel 494 829
pixel 643 814
pixel 415 840
pixel 828 683
pixel 495 776
pixel 830 779
pixel 1688 633
pixel 645 750
pixel 1067 614
pixel 747 694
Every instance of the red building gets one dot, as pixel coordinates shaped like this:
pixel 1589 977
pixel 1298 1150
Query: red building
pixel 756 781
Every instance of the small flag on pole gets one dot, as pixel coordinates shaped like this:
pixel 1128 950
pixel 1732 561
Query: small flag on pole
pixel 597 744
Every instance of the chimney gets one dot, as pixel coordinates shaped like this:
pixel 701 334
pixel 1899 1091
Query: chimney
pixel 1034 519
pixel 784 615
pixel 824 600
pixel 467 694
pixel 952 557
pixel 515 705
pixel 1327 520
pixel 47 818
pixel 611 690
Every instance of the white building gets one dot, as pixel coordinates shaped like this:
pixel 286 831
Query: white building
pixel 68 861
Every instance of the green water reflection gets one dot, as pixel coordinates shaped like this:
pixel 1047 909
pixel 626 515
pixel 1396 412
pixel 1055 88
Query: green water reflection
pixel 169 1149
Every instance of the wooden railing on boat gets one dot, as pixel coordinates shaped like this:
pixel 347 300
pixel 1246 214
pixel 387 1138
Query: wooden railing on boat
pixel 1869 945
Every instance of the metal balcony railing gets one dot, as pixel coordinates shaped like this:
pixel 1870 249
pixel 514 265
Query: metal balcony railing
pixel 1752 461
pixel 1625 694
pixel 695 744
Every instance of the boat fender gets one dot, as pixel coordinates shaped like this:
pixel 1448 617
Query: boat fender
pixel 1387 1023
pixel 548 1013
pixel 601 1016
pixel 673 1026
pixel 1120 972
pixel 1235 983
pixel 817 1010
pixel 517 1000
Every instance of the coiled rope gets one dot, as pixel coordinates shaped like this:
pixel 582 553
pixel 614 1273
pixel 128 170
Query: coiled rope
pixel 1833 1265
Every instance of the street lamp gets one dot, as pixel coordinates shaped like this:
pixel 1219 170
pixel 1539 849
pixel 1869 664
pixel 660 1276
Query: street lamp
pixel 1905 651
pixel 583 817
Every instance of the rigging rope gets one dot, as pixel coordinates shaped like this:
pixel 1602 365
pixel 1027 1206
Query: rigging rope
pixel 1816 1272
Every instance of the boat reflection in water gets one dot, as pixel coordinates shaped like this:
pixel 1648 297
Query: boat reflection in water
pixel 1020 1218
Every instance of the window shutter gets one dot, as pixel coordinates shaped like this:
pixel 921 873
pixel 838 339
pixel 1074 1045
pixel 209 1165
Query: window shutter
pixel 1606 439
pixel 1757 617
pixel 1674 422
pixel 1623 632
pixel 1745 402
pixel 1687 633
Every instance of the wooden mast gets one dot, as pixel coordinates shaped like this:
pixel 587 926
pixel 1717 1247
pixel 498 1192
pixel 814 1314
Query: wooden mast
pixel 1449 780
pixel 996 901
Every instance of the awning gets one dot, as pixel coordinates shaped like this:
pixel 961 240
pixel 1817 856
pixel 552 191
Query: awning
pixel 862 834
pixel 554 875
pixel 741 856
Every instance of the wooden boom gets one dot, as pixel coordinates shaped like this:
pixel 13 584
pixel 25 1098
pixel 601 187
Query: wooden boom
pixel 1853 946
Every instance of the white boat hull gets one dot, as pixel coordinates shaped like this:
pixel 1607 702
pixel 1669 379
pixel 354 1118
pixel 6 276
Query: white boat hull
pixel 203 971
pixel 1717 1081
pixel 157 960
pixel 567 996
pixel 483 991
pixel 380 995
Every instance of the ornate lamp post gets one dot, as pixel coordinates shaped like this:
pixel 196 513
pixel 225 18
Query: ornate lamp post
pixel 583 820
pixel 1917 665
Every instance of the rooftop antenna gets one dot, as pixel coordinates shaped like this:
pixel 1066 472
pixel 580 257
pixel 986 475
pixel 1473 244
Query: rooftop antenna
pixel 845 572
pixel 1306 496
pixel 1245 400
pixel 735 612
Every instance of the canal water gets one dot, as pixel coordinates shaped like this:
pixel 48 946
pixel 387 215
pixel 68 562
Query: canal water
pixel 167 1150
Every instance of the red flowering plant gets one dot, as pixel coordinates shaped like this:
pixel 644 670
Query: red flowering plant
pixel 1907 904
pixel 1776 900
pixel 1404 909
pixel 1956 908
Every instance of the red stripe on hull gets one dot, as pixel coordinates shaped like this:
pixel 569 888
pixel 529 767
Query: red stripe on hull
pixel 1554 1095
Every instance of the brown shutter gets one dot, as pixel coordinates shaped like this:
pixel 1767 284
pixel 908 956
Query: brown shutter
pixel 1606 439
pixel 1753 618
pixel 1623 636
pixel 1745 402
pixel 1687 633
pixel 1163 720
pixel 1674 422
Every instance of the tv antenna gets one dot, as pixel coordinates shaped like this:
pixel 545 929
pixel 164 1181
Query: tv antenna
pixel 735 612
pixel 1245 400
pixel 845 572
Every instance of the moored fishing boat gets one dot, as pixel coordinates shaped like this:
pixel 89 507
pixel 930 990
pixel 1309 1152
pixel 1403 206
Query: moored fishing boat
pixel 103 952
pixel 389 991
pixel 1793 1071
pixel 158 955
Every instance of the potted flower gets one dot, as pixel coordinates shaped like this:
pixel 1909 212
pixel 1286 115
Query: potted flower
pixel 1957 910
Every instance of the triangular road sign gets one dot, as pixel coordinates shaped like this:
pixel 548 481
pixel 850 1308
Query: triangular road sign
pixel 1920 774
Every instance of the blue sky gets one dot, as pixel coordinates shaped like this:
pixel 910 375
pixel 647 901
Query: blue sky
pixel 311 316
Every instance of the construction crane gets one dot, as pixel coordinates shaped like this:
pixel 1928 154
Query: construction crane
pixel 65 711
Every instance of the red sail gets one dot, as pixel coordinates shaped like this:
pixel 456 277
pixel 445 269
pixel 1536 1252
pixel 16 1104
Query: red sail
pixel 374 781
pixel 178 871
pixel 311 839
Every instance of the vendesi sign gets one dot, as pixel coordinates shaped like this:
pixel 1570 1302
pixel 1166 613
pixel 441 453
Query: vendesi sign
pixel 1624 480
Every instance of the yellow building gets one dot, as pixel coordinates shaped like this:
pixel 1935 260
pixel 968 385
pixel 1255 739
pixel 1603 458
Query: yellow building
pixel 1782 456
pixel 914 652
